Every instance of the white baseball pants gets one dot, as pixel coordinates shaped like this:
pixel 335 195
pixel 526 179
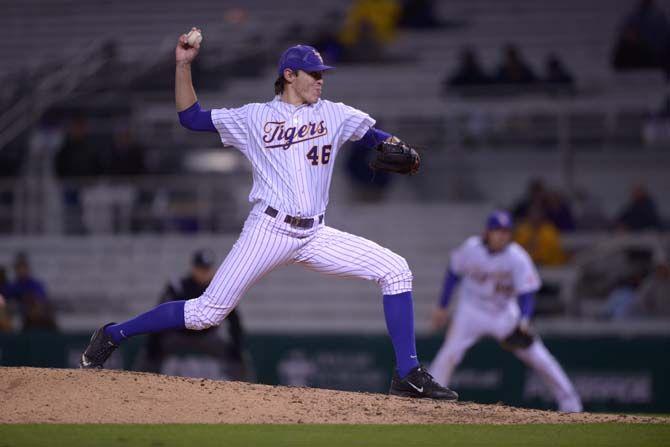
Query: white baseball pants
pixel 471 322
pixel 268 242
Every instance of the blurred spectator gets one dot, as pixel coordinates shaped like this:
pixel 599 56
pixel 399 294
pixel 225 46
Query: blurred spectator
pixel 12 162
pixel 12 157
pixel 621 301
pixel 469 72
pixel 5 317
pixel 5 313
pixel 231 353
pixel 654 292
pixel 631 53
pixel 656 130
pixel 644 40
pixel 31 295
pixel 108 206
pixel 127 156
pixel 535 191
pixel 588 211
pixel 540 238
pixel 419 14
pixel 640 213
pixel 366 47
pixel 554 205
pixel 4 282
pixel 368 27
pixel 327 41
pixel 556 73
pixel 558 211
pixel 641 295
pixel 513 69
pixel 76 158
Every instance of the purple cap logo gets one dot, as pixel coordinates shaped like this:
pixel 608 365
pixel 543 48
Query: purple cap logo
pixel 499 220
pixel 302 57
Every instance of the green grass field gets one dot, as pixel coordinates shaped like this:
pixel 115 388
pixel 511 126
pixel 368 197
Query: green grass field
pixel 591 435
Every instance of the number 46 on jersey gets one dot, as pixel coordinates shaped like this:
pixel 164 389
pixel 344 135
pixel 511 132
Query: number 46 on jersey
pixel 316 155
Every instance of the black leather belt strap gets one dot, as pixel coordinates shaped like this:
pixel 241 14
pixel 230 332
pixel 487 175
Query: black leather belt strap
pixel 293 221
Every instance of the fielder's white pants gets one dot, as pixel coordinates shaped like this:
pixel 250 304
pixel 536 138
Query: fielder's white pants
pixel 268 242
pixel 471 321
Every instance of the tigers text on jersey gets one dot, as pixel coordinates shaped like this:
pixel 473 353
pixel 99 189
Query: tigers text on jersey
pixel 494 279
pixel 292 149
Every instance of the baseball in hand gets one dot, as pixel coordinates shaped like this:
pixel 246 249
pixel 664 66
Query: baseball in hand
pixel 193 38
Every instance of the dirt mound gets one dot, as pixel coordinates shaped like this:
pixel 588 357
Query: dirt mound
pixel 36 395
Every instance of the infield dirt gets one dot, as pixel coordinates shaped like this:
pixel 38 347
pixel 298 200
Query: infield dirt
pixel 37 395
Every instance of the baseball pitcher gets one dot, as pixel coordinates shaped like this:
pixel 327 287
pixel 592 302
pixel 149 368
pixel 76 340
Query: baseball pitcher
pixel 291 143
pixel 497 285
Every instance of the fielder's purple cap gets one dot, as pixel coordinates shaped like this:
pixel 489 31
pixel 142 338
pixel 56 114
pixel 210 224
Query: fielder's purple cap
pixel 302 57
pixel 499 220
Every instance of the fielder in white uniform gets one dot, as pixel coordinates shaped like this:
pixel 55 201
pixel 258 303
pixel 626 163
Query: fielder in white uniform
pixel 291 142
pixel 497 285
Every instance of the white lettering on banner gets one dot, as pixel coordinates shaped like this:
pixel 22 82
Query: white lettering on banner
pixel 296 369
pixel 634 388
pixel 201 367
pixel 330 369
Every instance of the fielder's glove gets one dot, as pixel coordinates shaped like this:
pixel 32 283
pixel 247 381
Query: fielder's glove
pixel 396 156
pixel 521 338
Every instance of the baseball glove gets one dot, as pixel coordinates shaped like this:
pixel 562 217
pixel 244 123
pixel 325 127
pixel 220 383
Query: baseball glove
pixel 396 156
pixel 520 338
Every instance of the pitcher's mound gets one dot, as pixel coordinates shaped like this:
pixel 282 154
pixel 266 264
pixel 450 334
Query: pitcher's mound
pixel 37 395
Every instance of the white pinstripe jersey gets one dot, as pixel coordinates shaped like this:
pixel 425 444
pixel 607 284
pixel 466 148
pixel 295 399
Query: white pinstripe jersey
pixel 493 280
pixel 292 149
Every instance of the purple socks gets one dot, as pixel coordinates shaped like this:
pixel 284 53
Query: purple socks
pixel 166 316
pixel 399 314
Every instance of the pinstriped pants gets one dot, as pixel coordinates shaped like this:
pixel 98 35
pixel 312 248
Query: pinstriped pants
pixel 267 243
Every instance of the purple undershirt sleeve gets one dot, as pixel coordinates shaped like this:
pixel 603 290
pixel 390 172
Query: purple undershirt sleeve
pixel 526 304
pixel 450 283
pixel 373 137
pixel 196 119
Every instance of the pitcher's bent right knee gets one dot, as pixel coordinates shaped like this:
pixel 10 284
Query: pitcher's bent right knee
pixel 398 278
pixel 206 311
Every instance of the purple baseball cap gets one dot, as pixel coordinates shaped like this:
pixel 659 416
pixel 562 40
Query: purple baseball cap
pixel 499 220
pixel 302 57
